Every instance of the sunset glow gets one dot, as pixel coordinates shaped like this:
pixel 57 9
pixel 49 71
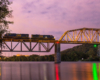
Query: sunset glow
pixel 53 17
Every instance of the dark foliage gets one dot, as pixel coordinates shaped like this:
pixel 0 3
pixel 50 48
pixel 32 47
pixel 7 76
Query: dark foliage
pixel 4 13
pixel 85 52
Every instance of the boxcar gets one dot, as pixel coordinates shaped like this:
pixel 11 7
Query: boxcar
pixel 35 36
pixel 43 37
pixel 48 37
pixel 9 35
pixel 14 35
pixel 22 36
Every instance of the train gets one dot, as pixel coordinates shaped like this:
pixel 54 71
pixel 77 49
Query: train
pixel 14 35
pixel 26 36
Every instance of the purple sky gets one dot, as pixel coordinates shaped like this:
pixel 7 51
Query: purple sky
pixel 53 17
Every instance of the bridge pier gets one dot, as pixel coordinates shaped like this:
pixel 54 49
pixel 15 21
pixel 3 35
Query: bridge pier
pixel 98 50
pixel 57 53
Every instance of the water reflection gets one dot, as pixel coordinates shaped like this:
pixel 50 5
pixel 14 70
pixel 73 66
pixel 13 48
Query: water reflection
pixel 49 71
pixel 95 76
pixel 0 72
pixel 98 71
pixel 57 71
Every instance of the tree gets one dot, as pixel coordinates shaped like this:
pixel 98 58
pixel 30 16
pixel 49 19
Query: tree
pixel 4 13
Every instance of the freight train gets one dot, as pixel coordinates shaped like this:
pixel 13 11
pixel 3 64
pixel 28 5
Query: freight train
pixel 26 36
pixel 14 35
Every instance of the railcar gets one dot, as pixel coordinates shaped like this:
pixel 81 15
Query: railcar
pixel 9 35
pixel 14 35
pixel 23 36
pixel 43 37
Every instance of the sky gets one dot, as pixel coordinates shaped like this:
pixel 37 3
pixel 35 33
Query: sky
pixel 53 17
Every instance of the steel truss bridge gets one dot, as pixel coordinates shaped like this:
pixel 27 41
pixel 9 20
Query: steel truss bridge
pixel 80 36
pixel 76 36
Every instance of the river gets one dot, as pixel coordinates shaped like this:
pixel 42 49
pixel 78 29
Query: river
pixel 49 71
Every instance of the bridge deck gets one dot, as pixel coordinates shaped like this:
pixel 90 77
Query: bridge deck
pixel 28 40
pixel 49 41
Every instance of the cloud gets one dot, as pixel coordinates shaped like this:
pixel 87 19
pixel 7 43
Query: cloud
pixel 52 15
pixel 44 12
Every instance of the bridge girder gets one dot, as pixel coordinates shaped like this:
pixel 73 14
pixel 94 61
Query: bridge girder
pixel 40 45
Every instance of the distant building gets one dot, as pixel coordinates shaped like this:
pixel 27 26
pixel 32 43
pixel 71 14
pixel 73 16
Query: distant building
pixel 26 55
pixel 22 55
pixel 18 55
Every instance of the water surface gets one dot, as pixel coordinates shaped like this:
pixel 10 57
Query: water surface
pixel 49 71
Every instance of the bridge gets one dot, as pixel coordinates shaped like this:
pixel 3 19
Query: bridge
pixel 76 36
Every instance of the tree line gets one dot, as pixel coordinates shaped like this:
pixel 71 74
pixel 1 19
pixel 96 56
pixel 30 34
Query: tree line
pixel 29 58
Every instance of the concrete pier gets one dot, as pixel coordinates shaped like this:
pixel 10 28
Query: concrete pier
pixel 57 53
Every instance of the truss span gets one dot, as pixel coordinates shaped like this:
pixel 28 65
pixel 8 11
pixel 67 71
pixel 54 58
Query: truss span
pixel 83 35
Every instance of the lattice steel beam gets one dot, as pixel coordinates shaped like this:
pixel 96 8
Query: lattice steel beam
pixel 90 35
pixel 29 49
